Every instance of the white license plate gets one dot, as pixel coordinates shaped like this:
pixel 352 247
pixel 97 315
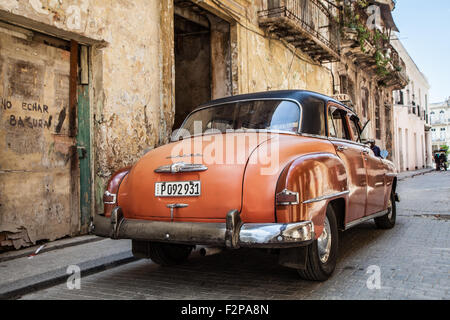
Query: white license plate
pixel 178 189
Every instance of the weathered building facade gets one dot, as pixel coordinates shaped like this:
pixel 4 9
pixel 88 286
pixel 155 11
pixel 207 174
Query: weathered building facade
pixel 439 115
pixel 412 131
pixel 87 87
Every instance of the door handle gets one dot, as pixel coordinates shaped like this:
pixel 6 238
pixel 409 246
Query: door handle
pixel 366 152
pixel 341 148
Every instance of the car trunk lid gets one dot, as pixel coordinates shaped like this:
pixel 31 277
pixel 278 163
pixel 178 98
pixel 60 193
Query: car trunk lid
pixel 217 161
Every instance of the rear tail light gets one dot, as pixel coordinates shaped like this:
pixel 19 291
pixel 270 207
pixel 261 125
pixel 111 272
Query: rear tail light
pixel 109 198
pixel 287 198
pixel 112 190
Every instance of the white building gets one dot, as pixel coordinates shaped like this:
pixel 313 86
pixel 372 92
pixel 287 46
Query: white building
pixel 412 136
pixel 440 120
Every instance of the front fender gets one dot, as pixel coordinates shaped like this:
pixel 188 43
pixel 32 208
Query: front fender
pixel 318 178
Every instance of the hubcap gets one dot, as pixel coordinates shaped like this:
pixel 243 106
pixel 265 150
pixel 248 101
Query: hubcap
pixel 324 242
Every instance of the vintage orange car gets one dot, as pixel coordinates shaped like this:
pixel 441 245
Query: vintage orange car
pixel 282 170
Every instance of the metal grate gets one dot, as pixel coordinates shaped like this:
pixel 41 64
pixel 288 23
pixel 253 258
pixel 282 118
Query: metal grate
pixel 312 16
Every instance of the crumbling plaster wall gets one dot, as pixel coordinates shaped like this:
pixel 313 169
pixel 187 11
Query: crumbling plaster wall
pixel 132 66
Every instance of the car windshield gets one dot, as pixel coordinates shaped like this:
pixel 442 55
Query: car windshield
pixel 276 115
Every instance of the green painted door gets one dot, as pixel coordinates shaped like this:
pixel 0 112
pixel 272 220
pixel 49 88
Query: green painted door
pixel 83 143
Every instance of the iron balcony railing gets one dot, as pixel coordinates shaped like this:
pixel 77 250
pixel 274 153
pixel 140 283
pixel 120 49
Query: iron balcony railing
pixel 313 18
pixel 398 63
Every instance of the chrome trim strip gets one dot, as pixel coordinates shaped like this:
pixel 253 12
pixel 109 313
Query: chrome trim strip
pixel 363 219
pixel 358 144
pixel 308 135
pixel 322 198
pixel 181 167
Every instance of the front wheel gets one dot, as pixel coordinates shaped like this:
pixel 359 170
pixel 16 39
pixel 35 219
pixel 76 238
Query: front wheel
pixel 322 253
pixel 388 221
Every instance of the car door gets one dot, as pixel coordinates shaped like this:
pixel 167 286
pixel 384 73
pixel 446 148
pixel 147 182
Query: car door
pixel 376 184
pixel 375 173
pixel 351 154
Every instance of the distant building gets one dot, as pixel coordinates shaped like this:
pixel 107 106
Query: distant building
pixel 412 132
pixel 440 120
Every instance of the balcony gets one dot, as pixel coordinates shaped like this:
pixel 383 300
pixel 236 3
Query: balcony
pixel 358 42
pixel 371 49
pixel 306 24
pixel 397 77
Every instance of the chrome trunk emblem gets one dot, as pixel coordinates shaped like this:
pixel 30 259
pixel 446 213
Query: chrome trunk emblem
pixel 181 167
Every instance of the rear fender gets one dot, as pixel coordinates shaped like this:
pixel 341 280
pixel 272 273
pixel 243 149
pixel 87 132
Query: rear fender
pixel 112 189
pixel 318 178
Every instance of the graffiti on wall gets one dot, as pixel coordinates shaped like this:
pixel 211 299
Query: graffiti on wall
pixel 21 121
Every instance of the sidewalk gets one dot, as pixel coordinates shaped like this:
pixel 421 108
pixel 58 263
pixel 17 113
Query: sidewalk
pixel 20 274
pixel 411 174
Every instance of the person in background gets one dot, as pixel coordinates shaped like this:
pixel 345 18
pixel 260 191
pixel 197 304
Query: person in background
pixel 437 160
pixel 376 150
pixel 443 159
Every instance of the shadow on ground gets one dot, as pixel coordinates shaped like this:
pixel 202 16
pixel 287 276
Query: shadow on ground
pixel 238 274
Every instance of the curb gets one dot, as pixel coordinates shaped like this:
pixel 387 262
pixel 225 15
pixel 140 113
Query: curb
pixel 417 174
pixel 32 284
pixel 50 246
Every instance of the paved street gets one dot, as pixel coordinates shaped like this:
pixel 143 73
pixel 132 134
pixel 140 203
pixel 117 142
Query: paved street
pixel 414 260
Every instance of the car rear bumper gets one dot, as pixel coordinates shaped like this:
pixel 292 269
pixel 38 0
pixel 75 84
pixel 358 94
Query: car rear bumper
pixel 232 234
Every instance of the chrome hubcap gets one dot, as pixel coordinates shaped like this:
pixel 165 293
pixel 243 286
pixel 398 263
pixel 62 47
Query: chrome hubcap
pixel 324 242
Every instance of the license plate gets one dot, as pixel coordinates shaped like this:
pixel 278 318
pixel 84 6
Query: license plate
pixel 178 189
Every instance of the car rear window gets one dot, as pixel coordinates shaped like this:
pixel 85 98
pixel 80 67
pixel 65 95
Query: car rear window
pixel 276 115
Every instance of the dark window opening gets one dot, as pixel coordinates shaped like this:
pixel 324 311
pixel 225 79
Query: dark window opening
pixel 365 103
pixel 377 117
pixel 202 59
pixel 192 67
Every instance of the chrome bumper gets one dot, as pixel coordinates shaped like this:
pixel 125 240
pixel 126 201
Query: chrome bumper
pixel 232 234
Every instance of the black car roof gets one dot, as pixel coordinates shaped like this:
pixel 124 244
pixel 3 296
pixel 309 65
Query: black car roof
pixel 297 95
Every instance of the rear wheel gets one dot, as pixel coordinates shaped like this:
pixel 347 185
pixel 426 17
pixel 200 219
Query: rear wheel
pixel 164 254
pixel 388 221
pixel 322 253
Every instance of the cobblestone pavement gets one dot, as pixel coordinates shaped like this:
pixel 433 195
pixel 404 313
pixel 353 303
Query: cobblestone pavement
pixel 414 259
